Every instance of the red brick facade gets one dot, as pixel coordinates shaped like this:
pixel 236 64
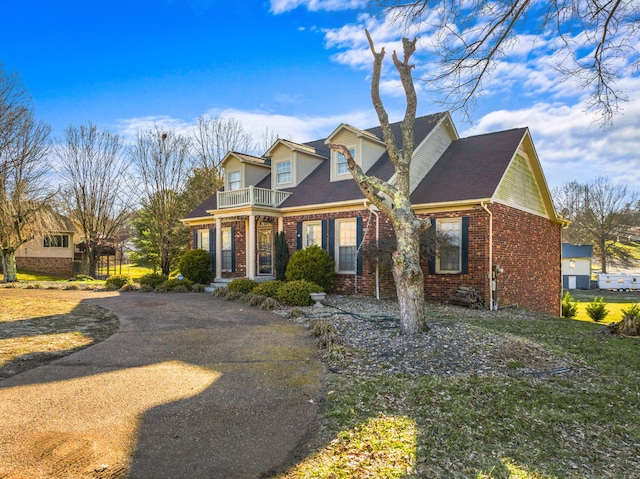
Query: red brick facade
pixel 56 266
pixel 525 245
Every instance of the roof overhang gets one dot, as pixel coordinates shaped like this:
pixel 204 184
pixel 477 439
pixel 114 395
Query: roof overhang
pixel 243 158
pixel 356 131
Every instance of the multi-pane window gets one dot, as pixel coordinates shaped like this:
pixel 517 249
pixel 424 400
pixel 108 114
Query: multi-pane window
pixel 449 247
pixel 204 239
pixel 312 233
pixel 342 167
pixel 227 250
pixel 283 170
pixel 56 241
pixel 234 180
pixel 346 239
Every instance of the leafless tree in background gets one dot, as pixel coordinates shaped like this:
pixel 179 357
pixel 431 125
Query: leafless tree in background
pixel 394 199
pixel 594 42
pixel 94 178
pixel 163 161
pixel 25 192
pixel 600 212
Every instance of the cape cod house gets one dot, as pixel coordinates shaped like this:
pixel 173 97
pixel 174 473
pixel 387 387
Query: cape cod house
pixel 487 192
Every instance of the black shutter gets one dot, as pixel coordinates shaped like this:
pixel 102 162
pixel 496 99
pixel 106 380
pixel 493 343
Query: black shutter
pixel 332 239
pixel 358 241
pixel 324 235
pixel 299 235
pixel 195 239
pixel 233 249
pixel 431 261
pixel 465 245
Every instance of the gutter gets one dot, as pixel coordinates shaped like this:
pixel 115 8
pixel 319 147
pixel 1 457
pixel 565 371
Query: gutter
pixel 373 211
pixel 483 205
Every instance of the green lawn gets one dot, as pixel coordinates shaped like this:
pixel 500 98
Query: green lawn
pixel 34 276
pixel 614 300
pixel 134 272
pixel 584 425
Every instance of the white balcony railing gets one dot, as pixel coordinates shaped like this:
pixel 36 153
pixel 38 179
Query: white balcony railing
pixel 251 196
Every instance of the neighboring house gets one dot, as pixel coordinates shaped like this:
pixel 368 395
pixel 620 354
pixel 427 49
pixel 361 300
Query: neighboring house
pixel 487 192
pixel 52 253
pixel 576 266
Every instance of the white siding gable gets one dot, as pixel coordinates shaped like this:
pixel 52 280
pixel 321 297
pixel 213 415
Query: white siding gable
pixel 429 151
pixel 519 189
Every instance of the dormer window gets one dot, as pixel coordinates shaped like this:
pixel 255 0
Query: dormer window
pixel 283 171
pixel 342 166
pixel 234 180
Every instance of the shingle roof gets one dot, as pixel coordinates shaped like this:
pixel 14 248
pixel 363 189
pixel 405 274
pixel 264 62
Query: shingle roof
pixel 200 211
pixel 470 168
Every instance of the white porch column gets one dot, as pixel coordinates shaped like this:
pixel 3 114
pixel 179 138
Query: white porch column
pixel 251 248
pixel 218 248
pixel 280 224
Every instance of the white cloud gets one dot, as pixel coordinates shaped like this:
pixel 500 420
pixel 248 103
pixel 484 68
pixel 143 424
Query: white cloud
pixel 282 6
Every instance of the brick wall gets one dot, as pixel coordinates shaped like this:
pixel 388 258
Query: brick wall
pixel 527 247
pixel 56 266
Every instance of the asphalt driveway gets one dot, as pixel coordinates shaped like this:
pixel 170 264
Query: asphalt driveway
pixel 190 386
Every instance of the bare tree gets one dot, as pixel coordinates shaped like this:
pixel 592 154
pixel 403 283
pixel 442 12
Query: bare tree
pixel 394 199
pixel 269 137
pixel 600 212
pixel 163 160
pixel 94 178
pixel 25 193
pixel 595 42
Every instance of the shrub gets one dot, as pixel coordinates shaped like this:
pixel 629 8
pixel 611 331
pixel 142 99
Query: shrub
pixel 632 311
pixel 129 287
pixel 235 296
pixel 569 306
pixel 269 304
pixel 282 256
pixel 242 285
pixel 175 285
pixel 153 279
pixel 312 264
pixel 195 265
pixel 82 277
pixel 597 310
pixel 253 299
pixel 117 280
pixel 197 287
pixel 220 293
pixel 73 287
pixel 268 288
pixel 296 293
pixel 146 288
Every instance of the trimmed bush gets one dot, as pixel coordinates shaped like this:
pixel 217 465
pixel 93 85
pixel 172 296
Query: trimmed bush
pixel 195 265
pixel 269 304
pixel 297 293
pixel 117 280
pixel 312 264
pixel 569 306
pixel 175 285
pixel 153 279
pixel 242 285
pixel 282 256
pixel 268 288
pixel 597 310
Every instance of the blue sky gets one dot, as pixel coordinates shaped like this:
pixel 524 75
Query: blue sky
pixel 300 67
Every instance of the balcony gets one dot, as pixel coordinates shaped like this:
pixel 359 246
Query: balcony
pixel 251 196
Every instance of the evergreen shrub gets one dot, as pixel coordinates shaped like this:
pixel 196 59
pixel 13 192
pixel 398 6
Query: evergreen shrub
pixel 312 264
pixel 597 310
pixel 117 280
pixel 242 285
pixel 195 265
pixel 297 292
pixel 153 279
pixel 569 306
pixel 268 288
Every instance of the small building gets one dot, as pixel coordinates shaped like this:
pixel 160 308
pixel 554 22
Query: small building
pixel 486 192
pixel 576 266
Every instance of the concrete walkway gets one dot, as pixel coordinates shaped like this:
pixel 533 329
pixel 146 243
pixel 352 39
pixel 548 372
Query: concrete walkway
pixel 189 387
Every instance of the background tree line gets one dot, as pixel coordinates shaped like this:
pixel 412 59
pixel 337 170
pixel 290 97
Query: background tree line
pixel 114 191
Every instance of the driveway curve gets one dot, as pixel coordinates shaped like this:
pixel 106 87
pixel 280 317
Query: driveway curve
pixel 190 386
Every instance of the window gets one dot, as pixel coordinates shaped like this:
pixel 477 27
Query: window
pixel 234 180
pixel 283 170
pixel 346 239
pixel 312 231
pixel 204 239
pixel 56 241
pixel 227 249
pixel 342 167
pixel 572 263
pixel 449 251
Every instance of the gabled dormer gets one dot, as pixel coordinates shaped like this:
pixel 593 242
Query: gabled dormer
pixel 291 163
pixel 365 147
pixel 242 170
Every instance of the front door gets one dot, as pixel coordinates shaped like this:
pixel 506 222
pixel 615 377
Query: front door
pixel 265 251
pixel 572 282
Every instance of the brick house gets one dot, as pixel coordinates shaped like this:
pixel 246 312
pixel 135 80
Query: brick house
pixel 487 192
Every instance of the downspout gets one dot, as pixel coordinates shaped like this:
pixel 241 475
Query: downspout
pixel 483 205
pixel 377 237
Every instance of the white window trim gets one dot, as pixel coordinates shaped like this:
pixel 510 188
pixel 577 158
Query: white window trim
pixel 450 271
pixel 229 173
pixel 202 244
pixel 304 232
pixel 338 224
pixel 290 172
pixel 222 248
pixel 334 167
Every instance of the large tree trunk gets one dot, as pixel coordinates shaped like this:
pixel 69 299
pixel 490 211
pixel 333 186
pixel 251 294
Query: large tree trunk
pixel 409 281
pixel 9 266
